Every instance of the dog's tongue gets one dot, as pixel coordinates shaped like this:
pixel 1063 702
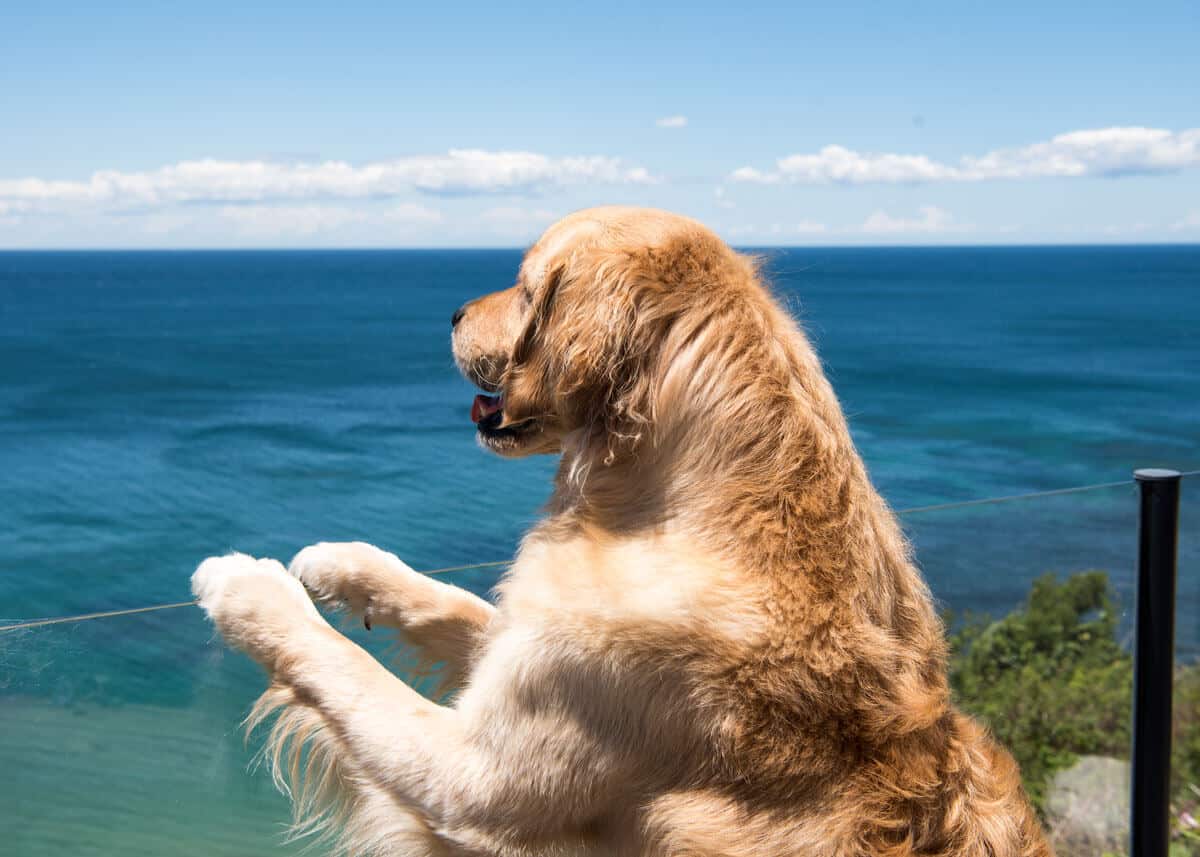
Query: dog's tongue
pixel 484 406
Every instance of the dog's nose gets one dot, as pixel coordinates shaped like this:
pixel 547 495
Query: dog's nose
pixel 457 317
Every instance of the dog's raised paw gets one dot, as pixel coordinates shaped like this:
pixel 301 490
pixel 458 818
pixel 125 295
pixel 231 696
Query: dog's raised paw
pixel 344 573
pixel 238 586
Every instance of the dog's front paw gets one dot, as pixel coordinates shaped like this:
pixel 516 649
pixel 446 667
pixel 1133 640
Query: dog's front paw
pixel 254 603
pixel 355 575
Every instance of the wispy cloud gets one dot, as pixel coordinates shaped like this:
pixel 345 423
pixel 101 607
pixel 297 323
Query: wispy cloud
pixel 1189 222
pixel 276 221
pixel 516 222
pixel 1099 152
pixel 10 211
pixel 1126 229
pixel 930 220
pixel 458 172
pixel 517 214
pixel 272 221
pixel 801 228
pixel 671 122
pixel 412 213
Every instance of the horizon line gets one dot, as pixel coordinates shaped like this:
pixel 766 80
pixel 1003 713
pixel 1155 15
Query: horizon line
pixel 522 247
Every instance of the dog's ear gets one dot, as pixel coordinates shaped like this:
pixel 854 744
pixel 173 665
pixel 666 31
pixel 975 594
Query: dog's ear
pixel 566 361
pixel 529 389
pixel 605 333
pixel 589 354
pixel 527 342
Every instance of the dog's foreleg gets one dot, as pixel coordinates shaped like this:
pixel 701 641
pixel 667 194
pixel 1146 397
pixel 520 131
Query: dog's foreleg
pixel 468 780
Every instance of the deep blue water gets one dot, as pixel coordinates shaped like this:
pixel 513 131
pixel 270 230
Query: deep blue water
pixel 156 408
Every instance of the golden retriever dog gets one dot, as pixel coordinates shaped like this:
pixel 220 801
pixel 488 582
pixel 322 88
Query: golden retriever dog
pixel 715 643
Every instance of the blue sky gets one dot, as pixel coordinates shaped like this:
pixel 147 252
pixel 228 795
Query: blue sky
pixel 377 124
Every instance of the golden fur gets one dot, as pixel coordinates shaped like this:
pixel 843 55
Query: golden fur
pixel 716 642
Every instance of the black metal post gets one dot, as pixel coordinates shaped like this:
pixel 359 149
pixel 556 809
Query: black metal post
pixel 1154 662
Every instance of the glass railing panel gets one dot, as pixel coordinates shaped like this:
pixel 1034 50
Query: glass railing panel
pixel 121 736
pixel 125 730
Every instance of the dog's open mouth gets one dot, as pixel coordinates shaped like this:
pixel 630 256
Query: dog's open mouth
pixel 487 412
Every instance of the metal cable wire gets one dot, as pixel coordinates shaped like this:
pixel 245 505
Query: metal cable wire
pixel 915 510
pixel 83 617
pixel 938 507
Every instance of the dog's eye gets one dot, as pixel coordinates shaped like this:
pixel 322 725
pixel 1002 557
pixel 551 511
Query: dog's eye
pixel 527 295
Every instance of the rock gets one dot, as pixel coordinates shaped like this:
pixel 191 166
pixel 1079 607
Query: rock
pixel 1087 808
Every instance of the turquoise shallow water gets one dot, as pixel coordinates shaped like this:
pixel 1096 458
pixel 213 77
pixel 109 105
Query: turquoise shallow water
pixel 156 408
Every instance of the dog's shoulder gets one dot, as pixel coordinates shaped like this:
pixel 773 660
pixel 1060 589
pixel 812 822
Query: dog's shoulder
pixel 632 590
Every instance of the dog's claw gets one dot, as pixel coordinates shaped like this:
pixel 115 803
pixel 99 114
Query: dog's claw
pixel 367 617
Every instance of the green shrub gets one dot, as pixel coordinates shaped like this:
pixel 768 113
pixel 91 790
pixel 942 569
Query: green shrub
pixel 1052 682
pixel 1050 678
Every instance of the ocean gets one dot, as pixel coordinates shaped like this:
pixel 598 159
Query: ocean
pixel 160 407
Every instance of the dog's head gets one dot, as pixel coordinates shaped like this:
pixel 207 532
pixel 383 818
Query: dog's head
pixel 581 340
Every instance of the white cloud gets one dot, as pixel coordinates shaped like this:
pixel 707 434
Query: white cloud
pixel 671 122
pixel 1189 222
pixel 458 172
pixel 836 164
pixel 931 220
pixel 1099 152
pixel 749 174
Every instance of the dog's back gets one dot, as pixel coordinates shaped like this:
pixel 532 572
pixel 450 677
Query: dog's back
pixel 717 551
